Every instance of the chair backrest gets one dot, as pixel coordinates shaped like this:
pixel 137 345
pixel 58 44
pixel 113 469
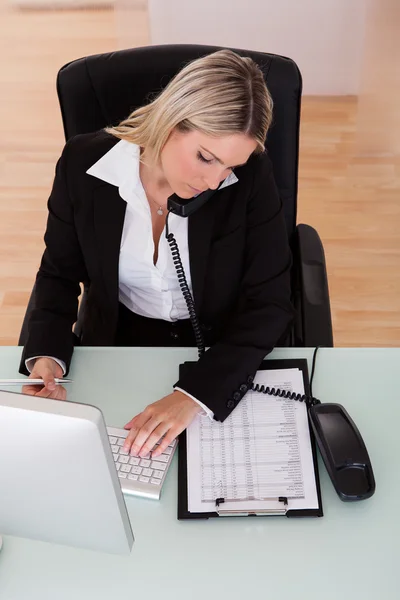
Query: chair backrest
pixel 103 89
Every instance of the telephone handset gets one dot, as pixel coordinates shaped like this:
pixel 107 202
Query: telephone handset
pixel 339 441
pixel 185 208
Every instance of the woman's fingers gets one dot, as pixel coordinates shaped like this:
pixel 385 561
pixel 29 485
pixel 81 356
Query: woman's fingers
pixel 31 390
pixel 158 433
pixel 169 437
pixel 131 423
pixel 141 437
pixel 139 433
pixel 44 393
pixel 48 378
pixel 139 422
pixel 60 393
pixel 167 417
pixel 46 369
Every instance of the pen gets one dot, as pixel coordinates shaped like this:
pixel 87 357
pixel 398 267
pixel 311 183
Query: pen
pixel 31 381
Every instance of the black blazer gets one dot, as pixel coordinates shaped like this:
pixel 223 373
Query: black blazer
pixel 239 261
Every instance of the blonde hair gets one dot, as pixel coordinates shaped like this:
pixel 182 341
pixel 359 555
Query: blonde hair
pixel 219 94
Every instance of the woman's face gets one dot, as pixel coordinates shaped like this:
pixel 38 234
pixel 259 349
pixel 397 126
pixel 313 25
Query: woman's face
pixel 194 162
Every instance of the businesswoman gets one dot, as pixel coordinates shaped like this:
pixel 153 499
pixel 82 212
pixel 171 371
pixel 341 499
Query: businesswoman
pixel 106 227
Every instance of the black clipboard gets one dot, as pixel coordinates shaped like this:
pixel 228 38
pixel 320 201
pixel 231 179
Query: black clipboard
pixel 183 512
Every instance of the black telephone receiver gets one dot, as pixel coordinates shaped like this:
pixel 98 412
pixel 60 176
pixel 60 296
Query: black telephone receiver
pixel 185 208
pixel 339 441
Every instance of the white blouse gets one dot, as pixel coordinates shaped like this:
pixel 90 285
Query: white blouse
pixel 149 290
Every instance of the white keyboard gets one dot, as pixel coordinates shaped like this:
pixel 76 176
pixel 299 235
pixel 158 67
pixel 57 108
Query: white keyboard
pixel 139 476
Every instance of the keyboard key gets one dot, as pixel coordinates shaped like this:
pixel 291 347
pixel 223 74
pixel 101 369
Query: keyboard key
pixel 123 452
pixel 158 465
pixel 145 463
pixel 155 481
pixel 122 475
pixel 144 479
pixel 163 458
pixel 172 444
pixel 146 455
pixel 123 459
pixel 147 472
pixel 114 448
pixel 133 477
pixel 134 461
pixel 136 470
pixel 118 466
pixel 168 450
pixel 120 441
pixel 158 474
pixel 115 457
pixel 113 440
pixel 125 469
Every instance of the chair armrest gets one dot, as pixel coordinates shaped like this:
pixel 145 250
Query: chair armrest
pixel 81 312
pixel 313 322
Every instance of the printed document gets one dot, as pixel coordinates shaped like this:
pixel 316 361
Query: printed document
pixel 261 452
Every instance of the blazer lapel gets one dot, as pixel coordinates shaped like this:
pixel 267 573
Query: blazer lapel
pixel 109 215
pixel 200 228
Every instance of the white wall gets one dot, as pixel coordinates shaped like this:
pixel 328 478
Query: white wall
pixel 324 37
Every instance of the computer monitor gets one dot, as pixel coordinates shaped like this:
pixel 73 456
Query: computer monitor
pixel 58 479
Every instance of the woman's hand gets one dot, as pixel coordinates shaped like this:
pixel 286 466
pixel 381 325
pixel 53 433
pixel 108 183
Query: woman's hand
pixel 46 369
pixel 167 417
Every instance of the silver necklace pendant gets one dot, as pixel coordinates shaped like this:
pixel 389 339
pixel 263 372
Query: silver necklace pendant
pixel 160 211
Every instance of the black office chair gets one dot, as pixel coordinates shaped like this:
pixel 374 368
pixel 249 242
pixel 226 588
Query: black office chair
pixel 101 90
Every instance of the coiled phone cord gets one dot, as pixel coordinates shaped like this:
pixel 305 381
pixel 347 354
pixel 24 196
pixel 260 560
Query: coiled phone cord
pixel 176 257
pixel 309 400
pixel 262 389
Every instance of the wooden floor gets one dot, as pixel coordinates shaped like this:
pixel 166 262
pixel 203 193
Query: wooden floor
pixel 353 201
